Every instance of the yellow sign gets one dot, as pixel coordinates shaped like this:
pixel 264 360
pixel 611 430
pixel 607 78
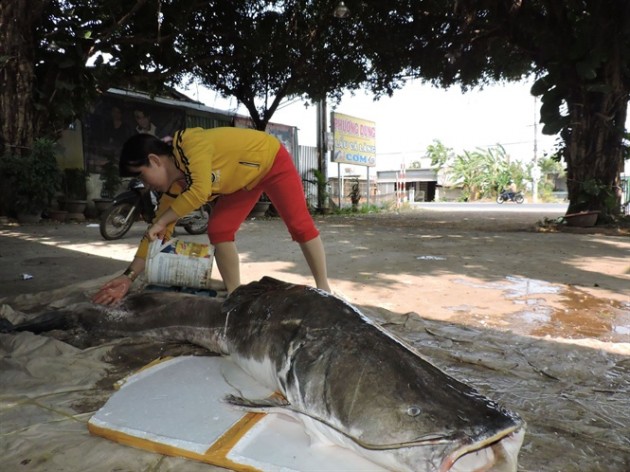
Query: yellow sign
pixel 354 140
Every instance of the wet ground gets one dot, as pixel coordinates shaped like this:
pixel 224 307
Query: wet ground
pixel 564 312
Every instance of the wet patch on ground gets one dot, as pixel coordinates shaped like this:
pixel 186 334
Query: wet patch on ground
pixel 550 310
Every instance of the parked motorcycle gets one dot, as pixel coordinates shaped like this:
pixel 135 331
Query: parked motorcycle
pixel 138 202
pixel 506 196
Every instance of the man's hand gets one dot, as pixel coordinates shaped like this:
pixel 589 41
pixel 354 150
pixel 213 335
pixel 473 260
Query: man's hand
pixel 113 291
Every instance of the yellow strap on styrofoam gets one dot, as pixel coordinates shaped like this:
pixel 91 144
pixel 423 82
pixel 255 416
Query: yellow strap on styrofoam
pixel 119 384
pixel 215 455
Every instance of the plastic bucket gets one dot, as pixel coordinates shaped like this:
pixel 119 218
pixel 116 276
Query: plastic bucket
pixel 179 263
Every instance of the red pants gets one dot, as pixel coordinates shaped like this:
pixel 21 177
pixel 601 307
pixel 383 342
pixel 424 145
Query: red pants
pixel 283 186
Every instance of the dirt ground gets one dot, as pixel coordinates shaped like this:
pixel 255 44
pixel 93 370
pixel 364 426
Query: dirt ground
pixel 538 319
pixel 485 268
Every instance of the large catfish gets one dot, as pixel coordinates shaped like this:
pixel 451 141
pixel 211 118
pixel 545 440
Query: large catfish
pixel 350 381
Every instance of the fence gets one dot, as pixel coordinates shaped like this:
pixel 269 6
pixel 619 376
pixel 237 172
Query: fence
pixel 305 162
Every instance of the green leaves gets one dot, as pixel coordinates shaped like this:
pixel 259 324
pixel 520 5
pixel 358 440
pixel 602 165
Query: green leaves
pixel 480 173
pixel 33 178
pixel 440 154
pixel 262 51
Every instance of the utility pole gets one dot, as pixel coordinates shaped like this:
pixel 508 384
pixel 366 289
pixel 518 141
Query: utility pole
pixel 535 169
pixel 322 162
pixel 340 11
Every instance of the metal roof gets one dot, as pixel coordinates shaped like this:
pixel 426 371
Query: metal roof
pixel 185 101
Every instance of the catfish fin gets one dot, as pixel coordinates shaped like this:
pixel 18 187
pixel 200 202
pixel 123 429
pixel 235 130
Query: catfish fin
pixel 259 405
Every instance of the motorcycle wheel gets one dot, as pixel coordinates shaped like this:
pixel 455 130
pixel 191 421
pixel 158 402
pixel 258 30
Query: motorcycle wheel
pixel 200 225
pixel 500 199
pixel 113 225
pixel 519 199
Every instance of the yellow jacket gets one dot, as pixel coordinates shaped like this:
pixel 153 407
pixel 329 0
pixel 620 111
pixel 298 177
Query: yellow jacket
pixel 216 161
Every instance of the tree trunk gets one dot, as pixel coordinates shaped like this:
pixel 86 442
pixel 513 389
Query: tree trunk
pixel 594 144
pixel 17 73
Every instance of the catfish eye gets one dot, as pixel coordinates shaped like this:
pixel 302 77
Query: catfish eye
pixel 413 410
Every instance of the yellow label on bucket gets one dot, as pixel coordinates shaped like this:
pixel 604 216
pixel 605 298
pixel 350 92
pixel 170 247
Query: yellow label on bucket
pixel 179 263
pixel 185 248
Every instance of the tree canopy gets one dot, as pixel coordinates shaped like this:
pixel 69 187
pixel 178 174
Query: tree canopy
pixel 580 51
pixel 262 51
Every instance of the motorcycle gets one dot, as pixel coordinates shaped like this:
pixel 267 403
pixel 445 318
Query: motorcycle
pixel 505 196
pixel 138 202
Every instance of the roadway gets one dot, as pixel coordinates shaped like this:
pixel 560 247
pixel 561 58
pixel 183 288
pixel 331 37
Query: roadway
pixel 492 207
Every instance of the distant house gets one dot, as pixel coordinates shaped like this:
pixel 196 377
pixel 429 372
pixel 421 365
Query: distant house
pixel 419 184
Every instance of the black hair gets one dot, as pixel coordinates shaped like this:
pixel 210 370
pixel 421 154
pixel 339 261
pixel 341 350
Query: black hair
pixel 142 110
pixel 135 152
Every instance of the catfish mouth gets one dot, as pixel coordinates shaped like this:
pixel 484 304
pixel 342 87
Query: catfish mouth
pixel 500 448
pixel 498 452
pixel 432 439
pixel 464 442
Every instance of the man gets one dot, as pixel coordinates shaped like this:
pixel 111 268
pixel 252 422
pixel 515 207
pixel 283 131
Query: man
pixel 143 122
pixel 511 189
